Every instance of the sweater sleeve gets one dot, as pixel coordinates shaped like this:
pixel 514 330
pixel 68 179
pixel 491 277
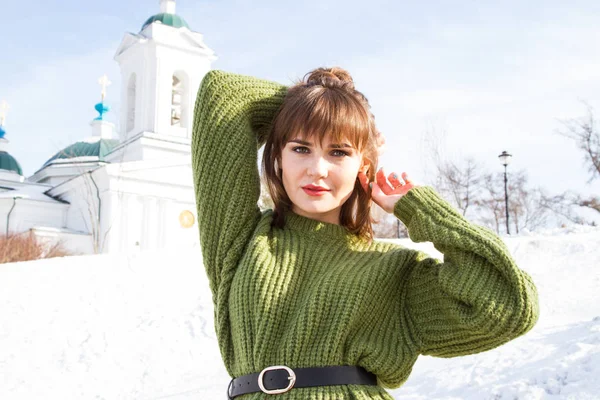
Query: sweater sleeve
pixel 476 298
pixel 232 117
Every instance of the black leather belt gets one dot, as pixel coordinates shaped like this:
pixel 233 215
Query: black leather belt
pixel 280 379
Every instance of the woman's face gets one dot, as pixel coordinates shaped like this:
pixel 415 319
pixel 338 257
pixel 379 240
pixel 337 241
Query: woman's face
pixel 319 180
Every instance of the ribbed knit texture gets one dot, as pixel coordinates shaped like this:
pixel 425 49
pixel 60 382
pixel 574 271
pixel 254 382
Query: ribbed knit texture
pixel 312 294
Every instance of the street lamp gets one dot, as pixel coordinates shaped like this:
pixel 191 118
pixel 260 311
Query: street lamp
pixel 505 160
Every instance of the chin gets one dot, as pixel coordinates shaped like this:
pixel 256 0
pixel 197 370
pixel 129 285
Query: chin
pixel 315 208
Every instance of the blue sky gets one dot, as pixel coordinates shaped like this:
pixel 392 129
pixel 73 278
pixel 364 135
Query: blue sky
pixel 492 75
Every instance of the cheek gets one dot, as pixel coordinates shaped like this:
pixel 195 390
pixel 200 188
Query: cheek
pixel 288 166
pixel 291 173
pixel 347 176
pixel 352 169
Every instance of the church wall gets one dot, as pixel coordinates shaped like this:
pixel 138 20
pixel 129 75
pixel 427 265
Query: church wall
pixel 130 152
pixel 143 215
pixel 143 96
pixel 10 176
pixel 154 223
pixel 28 214
pixel 148 100
pixel 5 205
pixel 134 206
pixel 153 153
pixel 75 244
pixel 176 235
pixel 109 221
pixel 83 210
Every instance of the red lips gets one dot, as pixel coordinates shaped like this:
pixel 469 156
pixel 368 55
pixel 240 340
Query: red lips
pixel 313 187
pixel 313 190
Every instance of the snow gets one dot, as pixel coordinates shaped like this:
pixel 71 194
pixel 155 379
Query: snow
pixel 141 327
pixel 30 191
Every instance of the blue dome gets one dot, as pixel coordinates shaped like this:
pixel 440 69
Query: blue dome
pixel 84 149
pixel 8 162
pixel 173 20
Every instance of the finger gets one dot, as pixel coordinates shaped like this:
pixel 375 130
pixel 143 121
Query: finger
pixel 407 180
pixel 395 180
pixel 381 199
pixel 382 182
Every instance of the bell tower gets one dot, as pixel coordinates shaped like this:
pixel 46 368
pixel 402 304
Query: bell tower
pixel 161 70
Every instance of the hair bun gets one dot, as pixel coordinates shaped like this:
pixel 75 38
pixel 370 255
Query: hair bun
pixel 335 77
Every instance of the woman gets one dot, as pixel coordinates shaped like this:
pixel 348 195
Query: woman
pixel 307 305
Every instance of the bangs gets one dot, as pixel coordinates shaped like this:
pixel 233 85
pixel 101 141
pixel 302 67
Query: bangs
pixel 327 113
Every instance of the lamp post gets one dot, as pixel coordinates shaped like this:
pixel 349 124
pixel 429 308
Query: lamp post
pixel 505 160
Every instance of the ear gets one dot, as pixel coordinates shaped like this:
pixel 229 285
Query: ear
pixel 364 166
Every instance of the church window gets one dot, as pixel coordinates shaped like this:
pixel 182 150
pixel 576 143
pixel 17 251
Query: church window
pixel 179 100
pixel 177 94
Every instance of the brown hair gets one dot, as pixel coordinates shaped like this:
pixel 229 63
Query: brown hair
pixel 324 103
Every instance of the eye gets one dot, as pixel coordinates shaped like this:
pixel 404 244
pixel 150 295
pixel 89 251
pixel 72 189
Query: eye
pixel 340 153
pixel 300 149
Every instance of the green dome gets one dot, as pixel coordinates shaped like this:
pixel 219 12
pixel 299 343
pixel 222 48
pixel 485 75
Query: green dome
pixel 85 149
pixel 9 163
pixel 173 20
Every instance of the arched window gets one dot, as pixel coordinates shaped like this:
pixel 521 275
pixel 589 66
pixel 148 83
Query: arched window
pixel 179 101
pixel 131 102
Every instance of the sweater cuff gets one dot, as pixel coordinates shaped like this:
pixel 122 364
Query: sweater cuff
pixel 423 199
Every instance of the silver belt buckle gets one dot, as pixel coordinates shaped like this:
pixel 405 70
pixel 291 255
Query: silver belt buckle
pixel 291 378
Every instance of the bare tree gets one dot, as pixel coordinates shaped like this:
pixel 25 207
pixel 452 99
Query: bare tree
pixel 491 203
pixel 458 181
pixel 586 135
pixel 525 204
pixel 386 225
pixel 93 209
pixel 563 206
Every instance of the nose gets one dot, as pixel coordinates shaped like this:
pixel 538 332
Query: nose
pixel 318 168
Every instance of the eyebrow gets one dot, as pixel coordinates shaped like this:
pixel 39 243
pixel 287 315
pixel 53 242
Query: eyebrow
pixel 333 145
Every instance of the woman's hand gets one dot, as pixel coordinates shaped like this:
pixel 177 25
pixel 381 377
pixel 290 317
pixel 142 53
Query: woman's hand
pixel 385 194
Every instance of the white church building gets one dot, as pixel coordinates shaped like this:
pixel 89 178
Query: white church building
pixel 130 190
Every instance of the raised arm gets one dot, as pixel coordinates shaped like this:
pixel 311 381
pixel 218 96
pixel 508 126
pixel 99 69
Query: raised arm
pixel 231 120
pixel 476 298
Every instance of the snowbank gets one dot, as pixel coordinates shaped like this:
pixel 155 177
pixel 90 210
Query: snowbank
pixel 141 327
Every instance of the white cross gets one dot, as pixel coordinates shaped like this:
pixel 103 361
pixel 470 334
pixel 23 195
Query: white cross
pixel 104 82
pixel 3 109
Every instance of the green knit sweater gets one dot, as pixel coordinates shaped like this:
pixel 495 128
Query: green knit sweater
pixel 312 294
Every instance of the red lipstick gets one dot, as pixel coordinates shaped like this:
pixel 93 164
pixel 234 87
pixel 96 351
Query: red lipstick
pixel 313 190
